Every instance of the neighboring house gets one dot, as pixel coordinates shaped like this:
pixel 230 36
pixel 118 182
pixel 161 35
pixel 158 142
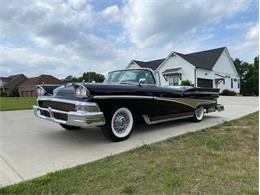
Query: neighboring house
pixel 211 68
pixel 9 85
pixel 28 87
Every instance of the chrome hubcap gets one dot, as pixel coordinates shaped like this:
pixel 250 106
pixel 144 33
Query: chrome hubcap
pixel 121 122
pixel 199 112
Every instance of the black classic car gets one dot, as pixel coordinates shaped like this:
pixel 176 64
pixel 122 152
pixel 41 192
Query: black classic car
pixel 125 97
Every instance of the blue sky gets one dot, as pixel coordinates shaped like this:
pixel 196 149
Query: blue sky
pixel 65 37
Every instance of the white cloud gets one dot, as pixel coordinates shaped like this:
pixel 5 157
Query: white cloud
pixel 111 13
pixel 253 32
pixel 26 60
pixel 76 4
pixel 240 25
pixel 63 37
pixel 152 22
pixel 247 48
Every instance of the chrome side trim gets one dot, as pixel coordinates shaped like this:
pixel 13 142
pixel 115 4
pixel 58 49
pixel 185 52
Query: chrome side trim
pixel 178 100
pixel 122 96
pixel 171 100
pixel 149 122
pixel 201 92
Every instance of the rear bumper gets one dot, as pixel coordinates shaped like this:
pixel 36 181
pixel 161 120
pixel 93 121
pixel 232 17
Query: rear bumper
pixel 77 118
pixel 220 107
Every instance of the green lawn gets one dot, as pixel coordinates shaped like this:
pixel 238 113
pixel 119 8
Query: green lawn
pixel 218 160
pixel 16 103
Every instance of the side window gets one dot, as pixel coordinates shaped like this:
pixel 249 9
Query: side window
pixel 173 80
pixel 149 78
pixel 231 82
pixel 170 79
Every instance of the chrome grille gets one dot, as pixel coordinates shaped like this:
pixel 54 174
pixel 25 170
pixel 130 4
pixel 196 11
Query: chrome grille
pixel 63 106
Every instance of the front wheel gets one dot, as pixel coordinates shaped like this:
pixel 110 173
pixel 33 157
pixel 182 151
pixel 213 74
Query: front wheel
pixel 198 114
pixel 120 125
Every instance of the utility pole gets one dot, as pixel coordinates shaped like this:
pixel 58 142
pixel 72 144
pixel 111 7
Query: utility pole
pixel 89 73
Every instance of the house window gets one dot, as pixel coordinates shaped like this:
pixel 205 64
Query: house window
pixel 231 82
pixel 238 84
pixel 173 80
pixel 224 81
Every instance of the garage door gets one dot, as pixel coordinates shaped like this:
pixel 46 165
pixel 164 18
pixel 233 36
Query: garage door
pixel 205 83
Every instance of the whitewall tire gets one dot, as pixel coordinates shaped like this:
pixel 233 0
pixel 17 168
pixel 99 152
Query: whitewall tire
pixel 120 124
pixel 198 114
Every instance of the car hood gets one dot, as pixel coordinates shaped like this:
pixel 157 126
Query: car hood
pixel 95 89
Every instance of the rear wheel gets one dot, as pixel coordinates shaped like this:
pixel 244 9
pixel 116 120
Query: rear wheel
pixel 68 127
pixel 198 114
pixel 120 125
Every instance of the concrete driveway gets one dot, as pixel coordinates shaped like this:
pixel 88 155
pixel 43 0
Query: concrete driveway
pixel 30 147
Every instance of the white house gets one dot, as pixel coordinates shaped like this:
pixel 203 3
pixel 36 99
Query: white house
pixel 211 68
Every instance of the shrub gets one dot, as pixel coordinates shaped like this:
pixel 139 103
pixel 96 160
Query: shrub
pixel 3 94
pixel 228 92
pixel 185 83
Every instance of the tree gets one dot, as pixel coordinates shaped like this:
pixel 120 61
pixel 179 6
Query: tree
pixel 86 77
pixel 70 79
pixel 92 76
pixel 249 77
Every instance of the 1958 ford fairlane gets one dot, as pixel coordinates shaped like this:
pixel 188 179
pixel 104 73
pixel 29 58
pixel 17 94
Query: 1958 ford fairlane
pixel 125 97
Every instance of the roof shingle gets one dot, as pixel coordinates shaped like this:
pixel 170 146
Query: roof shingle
pixel 42 79
pixel 154 64
pixel 203 59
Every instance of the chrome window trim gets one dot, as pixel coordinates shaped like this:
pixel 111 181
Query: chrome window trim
pixel 157 82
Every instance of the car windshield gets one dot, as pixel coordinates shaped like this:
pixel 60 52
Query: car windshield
pixel 131 76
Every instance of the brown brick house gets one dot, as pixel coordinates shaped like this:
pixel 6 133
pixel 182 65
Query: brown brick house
pixel 9 85
pixel 27 88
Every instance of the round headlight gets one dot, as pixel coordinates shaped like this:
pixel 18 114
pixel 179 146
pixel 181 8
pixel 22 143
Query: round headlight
pixel 78 92
pixel 83 92
pixel 40 91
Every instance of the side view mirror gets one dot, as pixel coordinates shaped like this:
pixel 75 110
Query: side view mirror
pixel 141 81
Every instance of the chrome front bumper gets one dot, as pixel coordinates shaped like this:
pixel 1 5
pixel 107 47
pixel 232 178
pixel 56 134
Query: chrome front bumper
pixel 77 118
